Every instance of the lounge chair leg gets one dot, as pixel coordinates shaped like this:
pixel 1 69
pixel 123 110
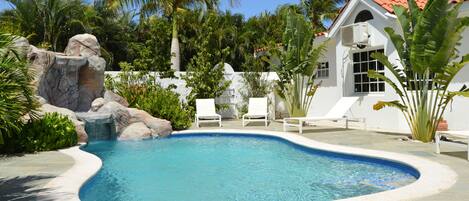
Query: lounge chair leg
pixel 301 127
pixel 219 122
pixel 346 123
pixel 243 122
pixel 468 150
pixel 284 125
pixel 437 143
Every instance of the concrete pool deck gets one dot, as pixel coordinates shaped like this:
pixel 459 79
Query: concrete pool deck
pixel 31 172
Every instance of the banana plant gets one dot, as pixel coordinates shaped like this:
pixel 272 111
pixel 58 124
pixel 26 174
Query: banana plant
pixel 299 59
pixel 429 62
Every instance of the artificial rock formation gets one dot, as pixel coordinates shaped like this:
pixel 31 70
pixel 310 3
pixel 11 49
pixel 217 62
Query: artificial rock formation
pixel 72 84
pixel 72 79
pixel 111 96
pixel 131 123
pixel 135 131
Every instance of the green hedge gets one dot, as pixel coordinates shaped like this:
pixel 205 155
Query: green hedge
pixel 51 132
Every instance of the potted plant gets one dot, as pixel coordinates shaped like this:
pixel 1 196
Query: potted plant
pixel 442 125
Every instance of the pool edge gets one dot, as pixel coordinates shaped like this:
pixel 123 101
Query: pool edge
pixel 67 185
pixel 434 177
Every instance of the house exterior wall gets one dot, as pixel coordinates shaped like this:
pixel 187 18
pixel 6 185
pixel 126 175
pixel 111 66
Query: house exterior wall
pixel 388 119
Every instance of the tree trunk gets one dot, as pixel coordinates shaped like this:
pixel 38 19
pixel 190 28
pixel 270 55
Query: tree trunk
pixel 175 52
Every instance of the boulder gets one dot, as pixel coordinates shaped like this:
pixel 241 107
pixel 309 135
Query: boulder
pixel 59 82
pixel 85 45
pixel 159 127
pixel 91 82
pixel 97 103
pixel 111 96
pixel 41 100
pixel 135 131
pixel 119 114
pixel 40 61
pixel 48 108
pixel 21 45
pixel 81 132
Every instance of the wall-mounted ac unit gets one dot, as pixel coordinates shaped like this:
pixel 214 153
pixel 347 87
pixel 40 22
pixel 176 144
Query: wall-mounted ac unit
pixel 355 34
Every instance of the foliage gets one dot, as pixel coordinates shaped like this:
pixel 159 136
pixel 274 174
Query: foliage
pixel 45 21
pixel 254 83
pixel 142 92
pixel 319 12
pixel 16 92
pixel 104 22
pixel 299 60
pixel 152 54
pixel 429 59
pixel 205 73
pixel 51 132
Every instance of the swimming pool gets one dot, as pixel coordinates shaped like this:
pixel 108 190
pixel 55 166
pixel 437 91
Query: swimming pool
pixel 235 167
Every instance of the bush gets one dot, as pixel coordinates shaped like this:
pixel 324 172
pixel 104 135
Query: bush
pixel 163 103
pixel 205 71
pixel 51 132
pixel 16 91
pixel 141 91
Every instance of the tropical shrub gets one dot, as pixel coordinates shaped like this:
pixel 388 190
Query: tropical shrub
pixel 51 132
pixel 162 102
pixel 141 91
pixel 254 83
pixel 205 73
pixel 16 92
pixel 298 64
pixel 429 62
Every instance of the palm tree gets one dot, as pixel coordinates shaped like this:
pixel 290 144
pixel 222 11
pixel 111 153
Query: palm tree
pixel 320 10
pixel 16 92
pixel 171 9
pixel 46 19
pixel 430 61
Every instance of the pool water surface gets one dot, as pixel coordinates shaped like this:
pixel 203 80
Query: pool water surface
pixel 234 167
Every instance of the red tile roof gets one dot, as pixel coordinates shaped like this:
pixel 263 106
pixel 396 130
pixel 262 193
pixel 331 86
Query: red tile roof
pixel 387 4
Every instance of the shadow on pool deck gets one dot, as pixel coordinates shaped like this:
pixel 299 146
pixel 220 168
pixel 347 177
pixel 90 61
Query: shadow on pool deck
pixel 27 188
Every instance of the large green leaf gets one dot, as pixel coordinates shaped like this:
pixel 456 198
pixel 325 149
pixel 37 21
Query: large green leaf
pixel 396 104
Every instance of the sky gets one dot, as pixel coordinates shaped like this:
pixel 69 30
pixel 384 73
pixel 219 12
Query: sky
pixel 248 8
pixel 251 8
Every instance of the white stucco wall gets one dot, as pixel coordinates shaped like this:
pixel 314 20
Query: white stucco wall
pixel 339 57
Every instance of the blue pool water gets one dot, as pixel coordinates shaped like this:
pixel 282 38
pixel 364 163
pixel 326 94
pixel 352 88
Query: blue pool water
pixel 234 167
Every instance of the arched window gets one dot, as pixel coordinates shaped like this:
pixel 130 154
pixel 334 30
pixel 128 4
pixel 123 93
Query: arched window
pixel 363 16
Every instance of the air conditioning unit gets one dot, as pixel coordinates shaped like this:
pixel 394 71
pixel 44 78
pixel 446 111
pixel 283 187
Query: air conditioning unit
pixel 355 35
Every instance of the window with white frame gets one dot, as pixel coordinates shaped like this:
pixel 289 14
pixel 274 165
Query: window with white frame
pixel 322 70
pixel 362 62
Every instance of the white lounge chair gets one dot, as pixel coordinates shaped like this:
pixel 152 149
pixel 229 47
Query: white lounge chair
pixel 459 134
pixel 205 112
pixel 257 111
pixel 335 114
